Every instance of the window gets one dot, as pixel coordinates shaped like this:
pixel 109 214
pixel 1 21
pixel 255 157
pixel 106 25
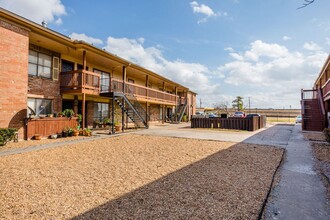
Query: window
pixel 105 80
pixel 67 66
pixel 40 64
pixel 39 106
pixel 131 80
pixel 101 111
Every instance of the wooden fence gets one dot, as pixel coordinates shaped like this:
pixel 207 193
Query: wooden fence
pixel 249 124
pixel 47 126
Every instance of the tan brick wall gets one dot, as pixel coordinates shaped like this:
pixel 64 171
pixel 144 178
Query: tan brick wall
pixel 14 45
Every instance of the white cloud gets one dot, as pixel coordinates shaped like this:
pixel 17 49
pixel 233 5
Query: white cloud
pixel 271 73
pixel 86 38
pixel 36 10
pixel 260 49
pixel 286 38
pixel 312 46
pixel 230 49
pixel 193 75
pixel 204 10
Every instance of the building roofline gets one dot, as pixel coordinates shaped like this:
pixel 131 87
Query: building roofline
pixel 325 66
pixel 38 28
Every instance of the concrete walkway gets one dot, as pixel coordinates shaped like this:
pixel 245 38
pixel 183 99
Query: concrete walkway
pixel 183 130
pixel 300 193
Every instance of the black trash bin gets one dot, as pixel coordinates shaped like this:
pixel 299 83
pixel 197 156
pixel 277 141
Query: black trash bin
pixel 224 115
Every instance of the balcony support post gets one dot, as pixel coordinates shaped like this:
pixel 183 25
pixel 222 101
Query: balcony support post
pixel 147 110
pixel 147 82
pixel 163 90
pixel 83 110
pixel 123 101
pixel 113 115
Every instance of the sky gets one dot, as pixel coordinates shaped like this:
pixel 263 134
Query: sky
pixel 263 50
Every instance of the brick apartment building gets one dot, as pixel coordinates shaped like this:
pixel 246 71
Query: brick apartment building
pixel 315 103
pixel 45 72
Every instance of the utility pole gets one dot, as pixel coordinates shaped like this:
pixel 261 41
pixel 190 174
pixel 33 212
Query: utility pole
pixel 249 105
pixel 200 103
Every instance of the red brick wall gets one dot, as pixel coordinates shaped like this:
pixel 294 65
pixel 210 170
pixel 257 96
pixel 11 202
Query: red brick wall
pixel 154 112
pixel 90 114
pixel 48 88
pixel 14 45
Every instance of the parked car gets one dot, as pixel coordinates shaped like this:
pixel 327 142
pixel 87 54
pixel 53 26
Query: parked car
pixel 239 115
pixel 252 115
pixel 199 113
pixel 212 115
pixel 298 119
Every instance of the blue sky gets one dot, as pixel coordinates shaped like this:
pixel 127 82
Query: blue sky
pixel 263 49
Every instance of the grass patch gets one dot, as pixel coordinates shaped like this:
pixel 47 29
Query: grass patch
pixel 280 119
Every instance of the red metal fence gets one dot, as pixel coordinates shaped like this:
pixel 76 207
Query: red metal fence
pixel 249 124
pixel 47 126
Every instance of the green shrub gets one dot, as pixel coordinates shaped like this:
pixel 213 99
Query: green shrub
pixel 68 112
pixel 326 133
pixel 6 135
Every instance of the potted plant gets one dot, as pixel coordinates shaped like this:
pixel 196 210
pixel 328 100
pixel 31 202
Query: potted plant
pixel 70 132
pixel 65 132
pixel 79 116
pixel 59 134
pixel 37 137
pixel 106 121
pixel 118 126
pixel 68 112
pixel 75 132
pixel 87 132
pixel 96 123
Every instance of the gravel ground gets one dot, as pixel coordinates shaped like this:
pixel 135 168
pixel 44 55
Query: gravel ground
pixel 322 154
pixel 138 177
pixel 314 136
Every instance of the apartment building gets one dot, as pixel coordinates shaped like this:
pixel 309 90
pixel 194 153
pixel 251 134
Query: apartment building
pixel 45 72
pixel 315 102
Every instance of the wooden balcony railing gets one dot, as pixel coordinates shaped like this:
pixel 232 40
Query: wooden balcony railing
pixel 326 88
pixel 82 81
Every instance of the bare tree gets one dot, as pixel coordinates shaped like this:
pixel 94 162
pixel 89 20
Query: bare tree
pixel 221 107
pixel 307 2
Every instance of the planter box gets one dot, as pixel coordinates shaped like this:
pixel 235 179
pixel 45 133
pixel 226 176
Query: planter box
pixel 47 126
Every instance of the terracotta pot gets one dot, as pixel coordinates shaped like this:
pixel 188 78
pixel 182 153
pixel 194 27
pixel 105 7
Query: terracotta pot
pixel 37 137
pixel 75 133
pixel 118 127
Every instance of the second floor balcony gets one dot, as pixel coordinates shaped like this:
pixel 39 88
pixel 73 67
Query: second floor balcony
pixel 82 81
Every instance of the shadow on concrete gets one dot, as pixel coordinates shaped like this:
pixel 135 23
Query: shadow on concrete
pixel 230 184
pixel 276 135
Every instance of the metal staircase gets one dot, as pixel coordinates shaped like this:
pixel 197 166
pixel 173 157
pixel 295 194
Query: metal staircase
pixel 313 113
pixel 133 109
pixel 179 111
pixel 127 102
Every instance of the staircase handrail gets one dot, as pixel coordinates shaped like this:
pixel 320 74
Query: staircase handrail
pixel 183 110
pixel 320 98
